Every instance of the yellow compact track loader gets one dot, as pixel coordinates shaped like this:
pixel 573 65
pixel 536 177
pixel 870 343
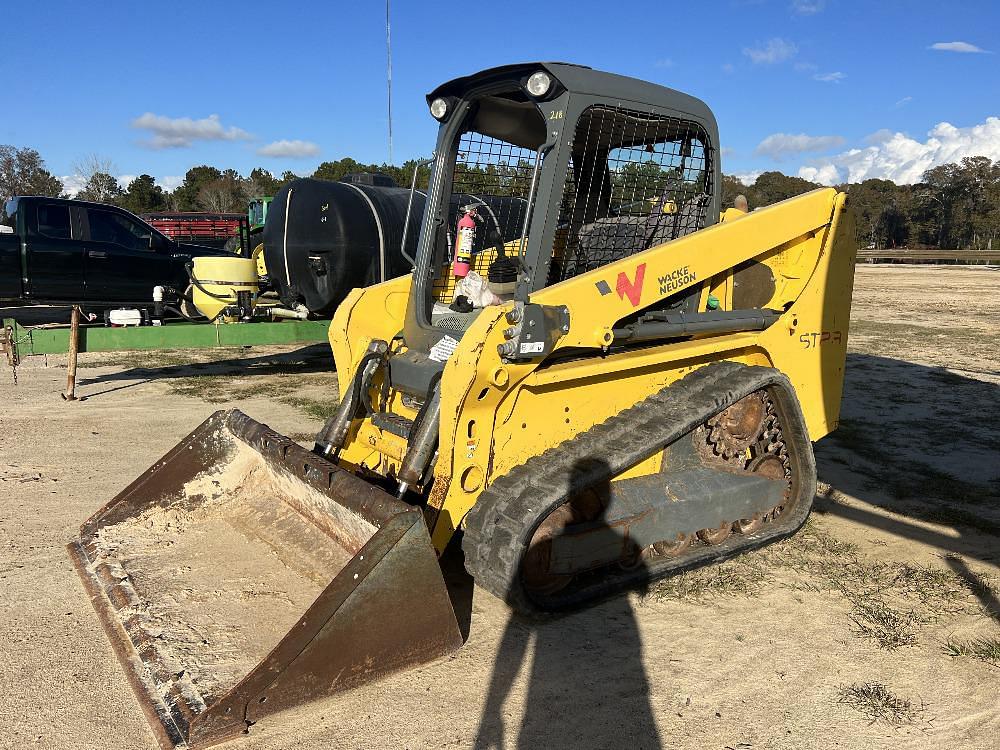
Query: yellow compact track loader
pixel 628 389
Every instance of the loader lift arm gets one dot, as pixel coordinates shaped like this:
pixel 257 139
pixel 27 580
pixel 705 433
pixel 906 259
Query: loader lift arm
pixel 597 300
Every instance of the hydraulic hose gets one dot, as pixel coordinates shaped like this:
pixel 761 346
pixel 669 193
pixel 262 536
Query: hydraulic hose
pixel 422 442
pixel 334 433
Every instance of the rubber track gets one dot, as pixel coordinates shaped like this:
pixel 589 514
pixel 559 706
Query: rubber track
pixel 500 525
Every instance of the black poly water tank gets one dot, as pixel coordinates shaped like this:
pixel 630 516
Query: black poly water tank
pixel 324 238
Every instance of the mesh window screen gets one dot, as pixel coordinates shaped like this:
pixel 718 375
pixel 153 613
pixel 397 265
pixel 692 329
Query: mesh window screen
pixel 497 174
pixel 635 180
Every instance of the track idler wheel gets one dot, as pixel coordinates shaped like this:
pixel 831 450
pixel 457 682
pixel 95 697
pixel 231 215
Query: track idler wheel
pixel 749 525
pixel 771 466
pixel 671 549
pixel 717 535
pixel 676 548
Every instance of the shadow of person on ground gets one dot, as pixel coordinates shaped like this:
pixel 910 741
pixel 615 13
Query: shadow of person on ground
pixel 586 682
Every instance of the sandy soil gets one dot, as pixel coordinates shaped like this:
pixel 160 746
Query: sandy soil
pixel 874 610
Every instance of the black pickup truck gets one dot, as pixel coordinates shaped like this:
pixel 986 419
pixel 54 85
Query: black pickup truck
pixel 57 250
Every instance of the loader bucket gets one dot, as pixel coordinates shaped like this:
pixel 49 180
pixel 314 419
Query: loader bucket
pixel 242 575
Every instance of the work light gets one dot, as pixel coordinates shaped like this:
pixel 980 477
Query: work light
pixel 539 83
pixel 439 108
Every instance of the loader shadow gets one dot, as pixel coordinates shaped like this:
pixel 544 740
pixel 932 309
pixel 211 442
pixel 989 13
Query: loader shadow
pixel 586 682
pixel 314 358
pixel 919 442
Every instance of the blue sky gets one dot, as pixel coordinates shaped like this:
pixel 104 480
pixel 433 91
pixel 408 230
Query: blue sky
pixel 830 89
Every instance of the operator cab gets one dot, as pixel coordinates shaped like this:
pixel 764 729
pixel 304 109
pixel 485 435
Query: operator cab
pixel 563 170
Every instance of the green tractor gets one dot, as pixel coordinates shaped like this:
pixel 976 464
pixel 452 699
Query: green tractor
pixel 249 243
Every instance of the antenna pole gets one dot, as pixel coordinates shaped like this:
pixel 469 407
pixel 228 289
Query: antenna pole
pixel 388 78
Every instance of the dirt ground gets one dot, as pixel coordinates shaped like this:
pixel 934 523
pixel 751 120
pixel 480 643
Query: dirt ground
pixel 877 626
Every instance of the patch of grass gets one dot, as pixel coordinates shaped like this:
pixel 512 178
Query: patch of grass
pixel 315 408
pixel 220 388
pixel 210 388
pixel 878 703
pixel 984 649
pixel 934 587
pixel 141 360
pixel 889 599
pixel 743 576
pixel 903 334
pixel 888 627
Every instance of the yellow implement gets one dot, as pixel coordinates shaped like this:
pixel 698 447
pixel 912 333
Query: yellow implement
pixel 221 283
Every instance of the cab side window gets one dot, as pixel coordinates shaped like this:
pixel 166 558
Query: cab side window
pixel 636 180
pixel 106 226
pixel 53 222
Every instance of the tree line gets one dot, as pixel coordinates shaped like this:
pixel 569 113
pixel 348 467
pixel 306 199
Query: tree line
pixel 954 206
pixel 204 188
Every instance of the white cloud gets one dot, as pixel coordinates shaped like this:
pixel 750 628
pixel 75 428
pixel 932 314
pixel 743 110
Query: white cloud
pixel 665 62
pixel 879 136
pixel 824 175
pixel 182 132
pixel 897 157
pixel 807 7
pixel 805 67
pixel 170 182
pixel 773 51
pixel 957 47
pixel 902 102
pixel 728 67
pixel 780 145
pixel 289 149
pixel 835 77
pixel 72 184
pixel 748 178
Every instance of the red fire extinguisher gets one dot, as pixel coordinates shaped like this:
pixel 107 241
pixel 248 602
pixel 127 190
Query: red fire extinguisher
pixel 464 237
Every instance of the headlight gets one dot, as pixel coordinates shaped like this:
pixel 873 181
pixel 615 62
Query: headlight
pixel 439 108
pixel 539 83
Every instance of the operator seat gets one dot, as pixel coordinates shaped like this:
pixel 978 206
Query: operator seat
pixel 615 237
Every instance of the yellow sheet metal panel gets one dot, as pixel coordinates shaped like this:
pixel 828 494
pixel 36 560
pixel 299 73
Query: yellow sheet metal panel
pixel 809 342
pixel 376 312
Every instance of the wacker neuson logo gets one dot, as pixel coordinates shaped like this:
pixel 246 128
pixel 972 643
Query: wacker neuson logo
pixel 676 279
